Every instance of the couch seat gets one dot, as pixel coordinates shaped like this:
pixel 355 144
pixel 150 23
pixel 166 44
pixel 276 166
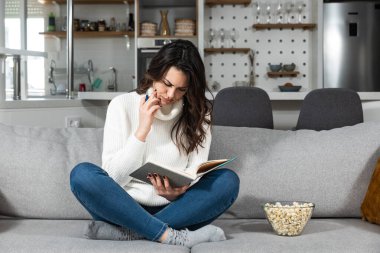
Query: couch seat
pixel 66 236
pixel 319 235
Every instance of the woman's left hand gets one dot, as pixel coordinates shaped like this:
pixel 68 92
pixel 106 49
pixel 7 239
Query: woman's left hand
pixel 164 189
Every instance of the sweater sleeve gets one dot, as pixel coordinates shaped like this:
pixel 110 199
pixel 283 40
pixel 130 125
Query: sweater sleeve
pixel 122 151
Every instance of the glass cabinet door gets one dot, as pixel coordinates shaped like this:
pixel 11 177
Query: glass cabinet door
pixel 35 31
pixel 23 21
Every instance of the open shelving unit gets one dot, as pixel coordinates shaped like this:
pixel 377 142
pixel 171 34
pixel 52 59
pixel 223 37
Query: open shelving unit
pixel 219 2
pixel 95 34
pixel 87 1
pixel 304 26
pixel 226 50
pixel 283 74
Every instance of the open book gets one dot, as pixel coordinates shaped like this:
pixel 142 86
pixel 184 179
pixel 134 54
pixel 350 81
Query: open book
pixel 178 177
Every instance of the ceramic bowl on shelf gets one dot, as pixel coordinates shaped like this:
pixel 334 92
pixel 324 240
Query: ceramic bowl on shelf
pixel 275 67
pixel 289 67
pixel 288 87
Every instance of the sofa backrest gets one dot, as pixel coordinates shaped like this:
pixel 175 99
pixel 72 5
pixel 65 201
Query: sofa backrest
pixel 329 168
pixel 35 163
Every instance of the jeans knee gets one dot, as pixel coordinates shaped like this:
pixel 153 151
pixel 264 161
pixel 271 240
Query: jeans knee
pixel 80 172
pixel 232 182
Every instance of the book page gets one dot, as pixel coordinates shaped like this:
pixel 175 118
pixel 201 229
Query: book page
pixel 206 166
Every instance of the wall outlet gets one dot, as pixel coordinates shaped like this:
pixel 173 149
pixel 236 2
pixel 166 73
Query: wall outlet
pixel 72 121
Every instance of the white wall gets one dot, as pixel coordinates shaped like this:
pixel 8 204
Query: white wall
pixel 54 117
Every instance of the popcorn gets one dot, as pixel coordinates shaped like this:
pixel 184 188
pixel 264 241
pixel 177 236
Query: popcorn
pixel 288 219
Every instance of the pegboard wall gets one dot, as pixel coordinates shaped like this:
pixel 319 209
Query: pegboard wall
pixel 273 46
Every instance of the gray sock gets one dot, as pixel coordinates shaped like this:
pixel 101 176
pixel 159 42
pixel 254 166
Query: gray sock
pixel 188 238
pixel 99 230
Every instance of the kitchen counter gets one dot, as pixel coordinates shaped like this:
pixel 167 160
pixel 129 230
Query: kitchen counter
pixel 365 96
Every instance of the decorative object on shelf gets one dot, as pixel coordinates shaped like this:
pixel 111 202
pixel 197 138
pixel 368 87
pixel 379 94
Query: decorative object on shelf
pixel 214 86
pixel 101 25
pixel 184 27
pixel 51 22
pixel 164 25
pixel 76 25
pixel 289 87
pixel 131 22
pixel 275 67
pixel 148 29
pixel 289 67
pixel 112 24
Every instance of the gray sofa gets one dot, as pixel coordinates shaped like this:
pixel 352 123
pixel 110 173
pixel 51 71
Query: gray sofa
pixel 329 168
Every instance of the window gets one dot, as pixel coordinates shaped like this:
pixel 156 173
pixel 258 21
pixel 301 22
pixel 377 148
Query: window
pixel 33 68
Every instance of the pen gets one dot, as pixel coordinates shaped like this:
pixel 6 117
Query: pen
pixel 146 97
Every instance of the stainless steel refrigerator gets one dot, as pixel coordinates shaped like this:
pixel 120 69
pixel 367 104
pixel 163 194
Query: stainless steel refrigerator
pixel 351 45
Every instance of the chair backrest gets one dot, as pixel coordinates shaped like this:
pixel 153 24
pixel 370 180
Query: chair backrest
pixel 329 108
pixel 243 107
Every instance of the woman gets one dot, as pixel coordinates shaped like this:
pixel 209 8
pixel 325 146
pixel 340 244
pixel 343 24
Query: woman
pixel 166 121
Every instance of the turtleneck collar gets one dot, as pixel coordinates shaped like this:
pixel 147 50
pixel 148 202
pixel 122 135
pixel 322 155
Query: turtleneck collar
pixel 167 112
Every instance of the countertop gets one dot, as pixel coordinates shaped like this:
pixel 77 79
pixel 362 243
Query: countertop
pixel 272 95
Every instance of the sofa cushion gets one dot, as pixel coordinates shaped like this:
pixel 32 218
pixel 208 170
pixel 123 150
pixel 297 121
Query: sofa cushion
pixel 371 205
pixel 35 167
pixel 329 168
pixel 66 236
pixel 319 236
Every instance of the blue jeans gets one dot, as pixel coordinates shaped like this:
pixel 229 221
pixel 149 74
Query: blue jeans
pixel 107 201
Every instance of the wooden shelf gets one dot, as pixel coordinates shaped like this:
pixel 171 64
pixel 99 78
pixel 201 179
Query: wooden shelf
pixel 87 1
pixel 306 26
pixel 226 50
pixel 89 34
pixel 219 2
pixel 283 74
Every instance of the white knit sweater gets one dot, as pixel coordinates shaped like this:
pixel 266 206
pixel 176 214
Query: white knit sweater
pixel 123 153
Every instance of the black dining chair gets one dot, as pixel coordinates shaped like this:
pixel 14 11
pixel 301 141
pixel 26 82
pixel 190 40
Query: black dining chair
pixel 328 108
pixel 243 107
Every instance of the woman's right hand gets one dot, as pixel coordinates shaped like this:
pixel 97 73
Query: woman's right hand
pixel 146 115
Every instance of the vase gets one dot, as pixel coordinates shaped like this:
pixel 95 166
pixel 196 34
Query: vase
pixel 164 26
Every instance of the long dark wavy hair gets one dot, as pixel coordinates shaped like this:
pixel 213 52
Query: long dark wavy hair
pixel 190 130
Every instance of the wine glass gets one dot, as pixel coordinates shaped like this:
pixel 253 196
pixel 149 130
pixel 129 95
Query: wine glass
pixel 258 10
pixel 278 10
pixel 288 8
pixel 268 11
pixel 211 35
pixel 300 6
pixel 233 36
pixel 222 36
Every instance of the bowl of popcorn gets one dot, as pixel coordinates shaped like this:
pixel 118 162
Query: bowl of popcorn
pixel 288 218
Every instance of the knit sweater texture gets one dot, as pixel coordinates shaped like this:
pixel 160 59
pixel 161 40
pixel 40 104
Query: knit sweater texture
pixel 123 153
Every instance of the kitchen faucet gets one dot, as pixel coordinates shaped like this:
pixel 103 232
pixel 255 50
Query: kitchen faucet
pixel 51 78
pixel 90 71
pixel 113 84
